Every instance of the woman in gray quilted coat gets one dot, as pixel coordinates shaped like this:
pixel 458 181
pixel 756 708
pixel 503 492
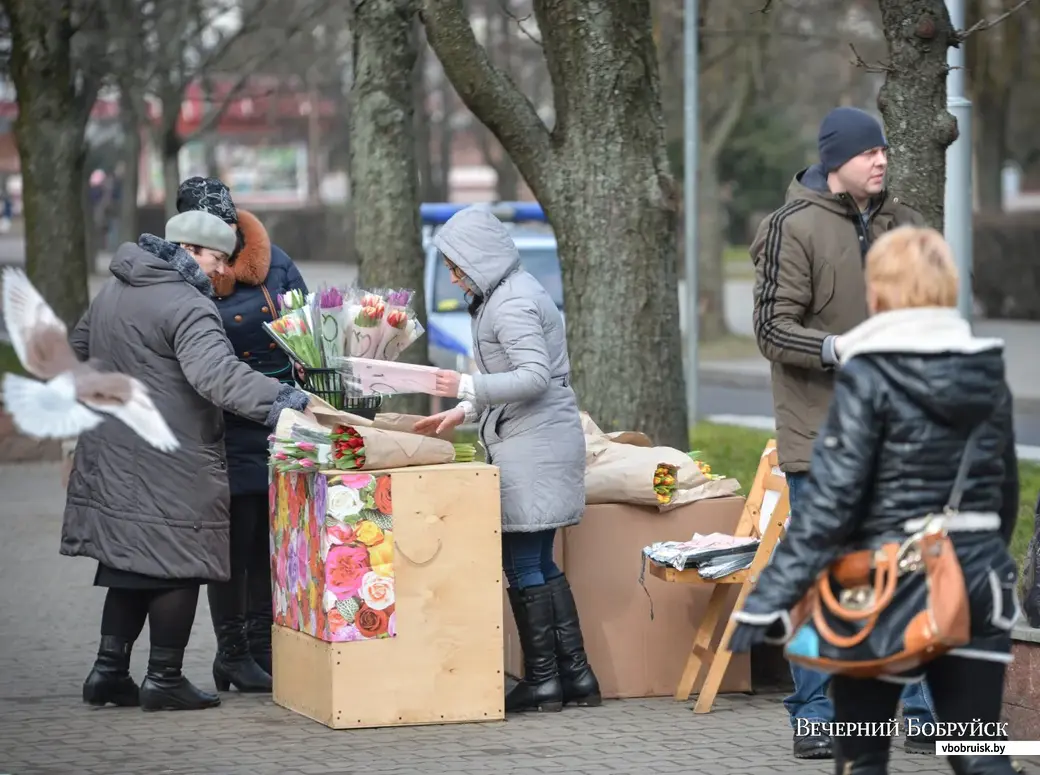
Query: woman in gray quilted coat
pixel 158 523
pixel 530 429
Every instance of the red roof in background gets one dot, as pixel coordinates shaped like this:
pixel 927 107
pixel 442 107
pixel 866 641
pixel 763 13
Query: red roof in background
pixel 260 102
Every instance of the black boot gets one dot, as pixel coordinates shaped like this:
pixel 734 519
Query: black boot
pixel 166 688
pixel 981 765
pixel 259 620
pixel 233 665
pixel 109 680
pixel 540 688
pixel 874 763
pixel 579 682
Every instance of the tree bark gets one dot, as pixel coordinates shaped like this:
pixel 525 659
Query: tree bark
pixel 129 117
pixel 383 171
pixel 913 102
pixel 52 117
pixel 602 177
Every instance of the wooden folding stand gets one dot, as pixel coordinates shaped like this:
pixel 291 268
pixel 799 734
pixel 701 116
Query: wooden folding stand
pixel 768 480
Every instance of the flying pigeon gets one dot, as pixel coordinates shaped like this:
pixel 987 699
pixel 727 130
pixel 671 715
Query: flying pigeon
pixel 64 404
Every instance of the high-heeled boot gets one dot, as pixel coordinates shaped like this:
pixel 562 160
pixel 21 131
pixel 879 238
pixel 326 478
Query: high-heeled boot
pixel 165 687
pixel 580 686
pixel 233 664
pixel 109 680
pixel 260 619
pixel 873 763
pixel 540 688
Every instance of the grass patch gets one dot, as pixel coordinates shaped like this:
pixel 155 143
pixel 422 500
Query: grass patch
pixel 734 452
pixel 9 361
pixel 736 254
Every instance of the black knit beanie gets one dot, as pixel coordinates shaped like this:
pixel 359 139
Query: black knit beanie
pixel 846 133
pixel 207 194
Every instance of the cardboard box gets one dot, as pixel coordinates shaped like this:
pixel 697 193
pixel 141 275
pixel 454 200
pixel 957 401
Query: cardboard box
pixel 632 655
pixel 429 650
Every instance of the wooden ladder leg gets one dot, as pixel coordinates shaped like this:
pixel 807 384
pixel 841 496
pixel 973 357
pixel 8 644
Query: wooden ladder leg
pixel 719 663
pixel 700 651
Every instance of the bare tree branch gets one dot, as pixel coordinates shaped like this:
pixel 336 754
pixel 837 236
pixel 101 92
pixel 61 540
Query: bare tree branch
pixel 519 22
pixel 488 91
pixel 985 24
pixel 876 67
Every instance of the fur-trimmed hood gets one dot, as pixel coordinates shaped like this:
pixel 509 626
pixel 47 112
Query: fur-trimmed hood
pixel 253 261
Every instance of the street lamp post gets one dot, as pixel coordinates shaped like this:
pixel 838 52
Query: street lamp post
pixel 690 153
pixel 959 195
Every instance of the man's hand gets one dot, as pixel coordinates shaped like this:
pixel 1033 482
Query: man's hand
pixel 447 383
pixel 440 422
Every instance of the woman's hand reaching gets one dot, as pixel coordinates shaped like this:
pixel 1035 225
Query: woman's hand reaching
pixel 447 383
pixel 440 422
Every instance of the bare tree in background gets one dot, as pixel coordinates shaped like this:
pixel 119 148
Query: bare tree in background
pixel 997 64
pixel 383 172
pixel 913 98
pixel 55 47
pixel 601 174
pixel 733 41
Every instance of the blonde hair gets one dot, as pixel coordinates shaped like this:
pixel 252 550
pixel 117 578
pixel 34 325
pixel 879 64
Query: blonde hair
pixel 912 267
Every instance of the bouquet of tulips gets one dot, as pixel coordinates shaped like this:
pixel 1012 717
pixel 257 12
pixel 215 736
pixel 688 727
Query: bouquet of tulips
pixel 287 455
pixel 664 482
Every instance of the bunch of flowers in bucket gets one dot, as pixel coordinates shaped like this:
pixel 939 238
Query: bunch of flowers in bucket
pixel 320 329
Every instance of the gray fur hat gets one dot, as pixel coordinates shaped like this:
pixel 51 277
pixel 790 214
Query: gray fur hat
pixel 197 227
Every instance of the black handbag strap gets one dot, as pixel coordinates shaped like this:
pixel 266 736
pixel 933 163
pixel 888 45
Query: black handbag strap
pixel 954 501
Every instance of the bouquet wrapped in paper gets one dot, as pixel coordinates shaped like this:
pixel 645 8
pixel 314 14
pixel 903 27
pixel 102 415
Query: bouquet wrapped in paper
pixel 400 327
pixel 365 313
pixel 352 446
pixel 295 330
pixel 367 377
pixel 625 467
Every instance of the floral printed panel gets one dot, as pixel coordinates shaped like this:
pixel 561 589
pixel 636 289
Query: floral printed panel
pixel 332 552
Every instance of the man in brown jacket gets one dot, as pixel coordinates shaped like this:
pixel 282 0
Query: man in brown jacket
pixel 809 290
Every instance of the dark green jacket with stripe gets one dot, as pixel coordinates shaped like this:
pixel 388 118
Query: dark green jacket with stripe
pixel 809 286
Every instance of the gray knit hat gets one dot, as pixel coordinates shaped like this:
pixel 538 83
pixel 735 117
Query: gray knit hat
pixel 197 227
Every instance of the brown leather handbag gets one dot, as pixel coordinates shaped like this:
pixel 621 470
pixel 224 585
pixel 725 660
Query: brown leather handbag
pixel 890 610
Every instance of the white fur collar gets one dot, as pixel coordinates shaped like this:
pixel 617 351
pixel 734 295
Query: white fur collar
pixel 918 330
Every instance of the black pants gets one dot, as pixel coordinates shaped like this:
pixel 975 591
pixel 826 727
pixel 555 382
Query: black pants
pixel 964 690
pixel 170 614
pixel 248 591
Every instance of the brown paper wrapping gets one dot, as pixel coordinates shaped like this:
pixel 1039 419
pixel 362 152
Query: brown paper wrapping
pixel 383 448
pixel 619 468
pixel 394 421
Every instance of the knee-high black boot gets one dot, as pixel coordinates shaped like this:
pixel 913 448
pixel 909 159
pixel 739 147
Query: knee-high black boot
pixel 579 682
pixel 233 664
pixel 166 688
pixel 873 763
pixel 981 765
pixel 260 617
pixel 109 680
pixel 540 688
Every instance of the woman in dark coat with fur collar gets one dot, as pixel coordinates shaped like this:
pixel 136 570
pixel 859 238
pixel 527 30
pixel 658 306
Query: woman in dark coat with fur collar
pixel 246 296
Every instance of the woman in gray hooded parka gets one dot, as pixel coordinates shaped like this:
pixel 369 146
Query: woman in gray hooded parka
pixel 530 428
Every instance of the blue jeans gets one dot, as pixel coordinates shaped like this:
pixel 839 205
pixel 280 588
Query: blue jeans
pixel 810 700
pixel 527 558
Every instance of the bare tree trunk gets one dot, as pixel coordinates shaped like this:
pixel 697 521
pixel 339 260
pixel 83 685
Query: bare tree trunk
pixel 423 157
pixel 991 150
pixel 129 118
pixel 382 159
pixel 913 102
pixel 171 168
pixel 50 131
pixel 602 176
pixel 445 141
pixel 711 227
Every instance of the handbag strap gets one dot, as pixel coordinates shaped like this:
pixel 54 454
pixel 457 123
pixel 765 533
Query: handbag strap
pixel 270 301
pixel 959 483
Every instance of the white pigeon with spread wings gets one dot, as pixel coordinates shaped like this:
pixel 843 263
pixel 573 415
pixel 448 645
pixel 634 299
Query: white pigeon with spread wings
pixel 67 402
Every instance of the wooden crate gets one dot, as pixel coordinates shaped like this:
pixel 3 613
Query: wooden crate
pixel 443 662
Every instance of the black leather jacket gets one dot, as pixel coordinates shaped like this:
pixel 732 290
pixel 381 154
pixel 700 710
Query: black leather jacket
pixel 888 453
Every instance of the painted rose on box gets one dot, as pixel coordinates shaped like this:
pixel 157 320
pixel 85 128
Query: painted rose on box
pixel 332 555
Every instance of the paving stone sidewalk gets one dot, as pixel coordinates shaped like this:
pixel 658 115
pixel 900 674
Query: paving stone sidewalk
pixel 49 615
